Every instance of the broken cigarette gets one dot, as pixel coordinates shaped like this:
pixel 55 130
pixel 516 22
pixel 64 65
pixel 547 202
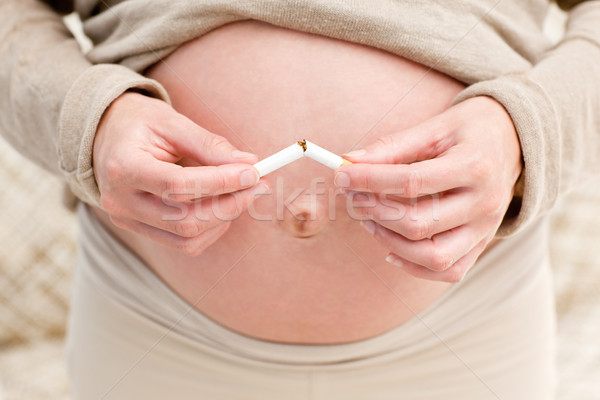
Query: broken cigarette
pixel 279 159
pixel 296 151
pixel 323 156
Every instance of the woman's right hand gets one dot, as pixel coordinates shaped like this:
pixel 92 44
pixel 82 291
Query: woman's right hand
pixel 162 176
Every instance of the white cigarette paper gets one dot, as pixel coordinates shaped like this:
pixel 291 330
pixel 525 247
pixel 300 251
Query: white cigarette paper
pixel 323 156
pixel 279 159
pixel 296 151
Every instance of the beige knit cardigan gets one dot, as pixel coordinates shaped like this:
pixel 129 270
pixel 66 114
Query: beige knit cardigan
pixel 52 95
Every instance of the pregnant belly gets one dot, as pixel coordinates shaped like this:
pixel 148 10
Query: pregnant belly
pixel 297 267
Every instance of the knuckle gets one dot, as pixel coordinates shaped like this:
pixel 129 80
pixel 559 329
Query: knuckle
pixel 413 184
pixel 110 204
pixel 222 182
pixel 437 141
pixel 114 171
pixel 418 229
pixel 440 260
pixel 390 145
pixel 493 204
pixel 178 186
pixel 216 142
pixel 190 247
pixel 386 141
pixel 215 182
pixel 365 181
pixel 220 143
pixel 481 168
pixel 187 228
pixel 193 247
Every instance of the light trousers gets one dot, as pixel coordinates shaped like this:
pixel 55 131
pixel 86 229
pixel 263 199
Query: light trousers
pixel 489 337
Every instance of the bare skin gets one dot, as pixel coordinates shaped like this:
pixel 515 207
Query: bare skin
pixel 294 264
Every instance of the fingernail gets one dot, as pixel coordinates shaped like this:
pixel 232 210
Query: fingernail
pixel 248 178
pixel 394 260
pixel 260 189
pixel 241 154
pixel 341 179
pixel 356 153
pixel 368 225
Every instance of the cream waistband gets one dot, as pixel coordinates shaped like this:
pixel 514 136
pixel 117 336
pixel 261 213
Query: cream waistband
pixel 500 278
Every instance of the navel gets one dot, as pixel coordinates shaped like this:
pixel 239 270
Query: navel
pixel 304 217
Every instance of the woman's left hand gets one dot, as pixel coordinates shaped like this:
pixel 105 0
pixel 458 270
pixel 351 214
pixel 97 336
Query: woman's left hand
pixel 438 191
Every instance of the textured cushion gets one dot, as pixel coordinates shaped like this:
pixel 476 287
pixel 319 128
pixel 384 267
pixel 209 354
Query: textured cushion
pixel 574 241
pixel 37 237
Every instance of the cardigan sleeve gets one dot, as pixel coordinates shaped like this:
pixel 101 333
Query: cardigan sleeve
pixel 52 97
pixel 555 107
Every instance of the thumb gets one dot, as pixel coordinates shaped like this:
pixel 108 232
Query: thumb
pixel 191 140
pixel 421 142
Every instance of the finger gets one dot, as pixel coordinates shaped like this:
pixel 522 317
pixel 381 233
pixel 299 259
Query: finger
pixel 454 274
pixel 437 254
pixel 418 219
pixel 424 141
pixel 191 140
pixel 437 175
pixel 185 183
pixel 189 246
pixel 187 219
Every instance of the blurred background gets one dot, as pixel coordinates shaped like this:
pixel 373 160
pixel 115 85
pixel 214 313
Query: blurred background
pixel 38 246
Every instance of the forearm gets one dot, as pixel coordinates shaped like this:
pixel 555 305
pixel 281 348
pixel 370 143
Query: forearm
pixel 39 60
pixel 53 96
pixel 554 108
